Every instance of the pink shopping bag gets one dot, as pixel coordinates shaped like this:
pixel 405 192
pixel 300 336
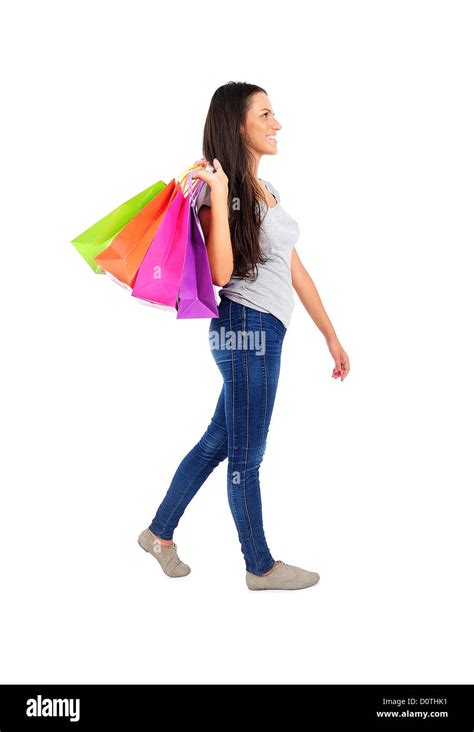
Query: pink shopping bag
pixel 159 276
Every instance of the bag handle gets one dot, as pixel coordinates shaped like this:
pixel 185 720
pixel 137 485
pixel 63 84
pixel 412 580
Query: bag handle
pixel 185 180
pixel 181 178
pixel 185 172
pixel 194 192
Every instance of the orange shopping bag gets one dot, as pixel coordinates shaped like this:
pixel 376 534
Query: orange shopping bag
pixel 125 253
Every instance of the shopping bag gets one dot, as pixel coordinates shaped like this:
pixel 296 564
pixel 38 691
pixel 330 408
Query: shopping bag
pixel 125 253
pixel 97 237
pixel 159 275
pixel 196 293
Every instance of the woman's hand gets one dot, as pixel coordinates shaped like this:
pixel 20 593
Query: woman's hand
pixel 218 181
pixel 341 358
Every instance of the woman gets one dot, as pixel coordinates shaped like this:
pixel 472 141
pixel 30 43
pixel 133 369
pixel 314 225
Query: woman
pixel 250 244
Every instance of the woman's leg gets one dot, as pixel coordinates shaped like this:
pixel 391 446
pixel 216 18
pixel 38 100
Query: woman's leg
pixel 247 350
pixel 191 473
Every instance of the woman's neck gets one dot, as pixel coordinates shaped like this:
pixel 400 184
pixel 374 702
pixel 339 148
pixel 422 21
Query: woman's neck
pixel 253 164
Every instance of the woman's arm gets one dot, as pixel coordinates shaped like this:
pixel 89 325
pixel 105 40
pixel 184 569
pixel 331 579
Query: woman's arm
pixel 309 296
pixel 215 225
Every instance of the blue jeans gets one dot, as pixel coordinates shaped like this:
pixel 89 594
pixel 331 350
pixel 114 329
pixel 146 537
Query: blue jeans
pixel 246 345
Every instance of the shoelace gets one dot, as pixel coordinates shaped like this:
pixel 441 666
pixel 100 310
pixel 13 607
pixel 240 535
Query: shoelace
pixel 165 546
pixel 288 566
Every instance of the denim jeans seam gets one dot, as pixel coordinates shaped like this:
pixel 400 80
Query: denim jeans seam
pixel 264 368
pixel 232 447
pixel 231 450
pixel 247 401
pixel 266 386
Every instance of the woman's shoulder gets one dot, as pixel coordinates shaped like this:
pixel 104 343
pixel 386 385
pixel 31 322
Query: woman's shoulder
pixel 272 189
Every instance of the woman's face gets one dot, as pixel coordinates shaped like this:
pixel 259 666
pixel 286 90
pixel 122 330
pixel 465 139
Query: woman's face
pixel 261 126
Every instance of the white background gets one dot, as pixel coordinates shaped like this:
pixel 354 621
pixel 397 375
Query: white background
pixel 369 481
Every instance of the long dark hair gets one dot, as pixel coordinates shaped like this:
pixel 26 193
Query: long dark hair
pixel 223 140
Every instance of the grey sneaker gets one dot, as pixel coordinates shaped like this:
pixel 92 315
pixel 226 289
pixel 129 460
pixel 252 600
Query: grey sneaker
pixel 167 556
pixel 284 577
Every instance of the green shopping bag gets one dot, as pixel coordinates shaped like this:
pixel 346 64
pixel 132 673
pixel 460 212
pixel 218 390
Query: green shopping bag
pixel 97 237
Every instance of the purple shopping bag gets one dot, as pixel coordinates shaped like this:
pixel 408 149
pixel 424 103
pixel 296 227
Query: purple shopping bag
pixel 196 292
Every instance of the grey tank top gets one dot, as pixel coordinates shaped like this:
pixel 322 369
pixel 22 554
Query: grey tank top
pixel 272 291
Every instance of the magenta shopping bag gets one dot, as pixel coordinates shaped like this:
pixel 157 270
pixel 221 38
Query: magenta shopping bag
pixel 159 276
pixel 196 292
